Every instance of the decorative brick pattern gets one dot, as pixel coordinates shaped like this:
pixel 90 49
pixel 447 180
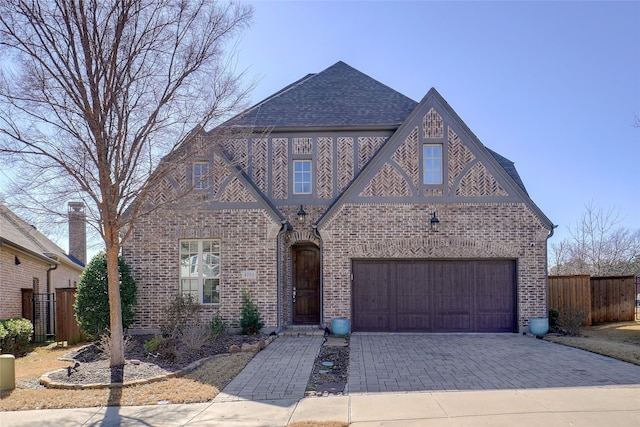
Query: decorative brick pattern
pixel 387 182
pixel 367 147
pixel 301 146
pixel 259 163
pixel 432 124
pixel 234 191
pixel 459 156
pixel 407 156
pixel 346 167
pixel 479 182
pixel 219 175
pixel 164 192
pixel 237 151
pixel 324 169
pixel 279 167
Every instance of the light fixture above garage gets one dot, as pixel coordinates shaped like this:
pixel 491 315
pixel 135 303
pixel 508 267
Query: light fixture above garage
pixel 435 223
pixel 301 215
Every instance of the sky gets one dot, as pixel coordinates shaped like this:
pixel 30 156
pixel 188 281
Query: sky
pixel 553 86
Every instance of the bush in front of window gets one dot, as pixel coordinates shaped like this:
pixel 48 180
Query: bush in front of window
pixel 250 322
pixel 92 296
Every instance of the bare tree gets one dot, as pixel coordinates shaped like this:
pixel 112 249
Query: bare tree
pixel 598 246
pixel 98 91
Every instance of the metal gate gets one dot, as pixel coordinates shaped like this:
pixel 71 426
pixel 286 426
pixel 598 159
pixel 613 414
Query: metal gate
pixel 44 317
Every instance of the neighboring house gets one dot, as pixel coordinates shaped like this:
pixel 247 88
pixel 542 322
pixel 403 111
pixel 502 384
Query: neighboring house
pixel 29 260
pixel 324 204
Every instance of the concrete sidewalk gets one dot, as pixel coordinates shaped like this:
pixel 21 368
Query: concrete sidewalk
pixel 591 406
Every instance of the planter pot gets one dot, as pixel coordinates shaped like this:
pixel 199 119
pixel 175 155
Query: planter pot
pixel 539 325
pixel 340 326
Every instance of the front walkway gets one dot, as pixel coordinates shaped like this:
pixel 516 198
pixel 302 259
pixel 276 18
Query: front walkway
pixel 432 362
pixel 280 371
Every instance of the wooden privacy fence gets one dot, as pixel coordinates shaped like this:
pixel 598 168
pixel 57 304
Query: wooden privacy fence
pixel 67 328
pixel 603 299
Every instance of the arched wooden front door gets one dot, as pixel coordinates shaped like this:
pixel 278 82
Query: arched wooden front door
pixel 306 283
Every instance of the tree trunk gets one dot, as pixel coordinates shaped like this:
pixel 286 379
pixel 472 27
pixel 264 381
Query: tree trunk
pixel 115 308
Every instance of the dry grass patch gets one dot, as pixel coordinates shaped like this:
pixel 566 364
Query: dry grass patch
pixel 201 385
pixel 620 340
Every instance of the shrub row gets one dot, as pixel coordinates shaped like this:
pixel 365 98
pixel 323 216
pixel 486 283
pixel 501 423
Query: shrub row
pixel 15 335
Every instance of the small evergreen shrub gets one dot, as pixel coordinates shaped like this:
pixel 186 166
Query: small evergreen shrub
pixel 250 322
pixel 15 335
pixel 92 296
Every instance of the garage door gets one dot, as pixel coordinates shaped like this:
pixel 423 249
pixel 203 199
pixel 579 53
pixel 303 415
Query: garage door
pixel 434 296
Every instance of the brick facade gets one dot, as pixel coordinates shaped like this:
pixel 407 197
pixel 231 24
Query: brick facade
pixel 368 201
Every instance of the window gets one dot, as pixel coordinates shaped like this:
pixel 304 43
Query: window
pixel 200 270
pixel 201 175
pixel 432 163
pixel 302 176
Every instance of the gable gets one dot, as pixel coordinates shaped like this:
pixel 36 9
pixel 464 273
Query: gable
pixel 470 171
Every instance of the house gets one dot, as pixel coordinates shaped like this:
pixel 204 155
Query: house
pixel 338 197
pixel 33 266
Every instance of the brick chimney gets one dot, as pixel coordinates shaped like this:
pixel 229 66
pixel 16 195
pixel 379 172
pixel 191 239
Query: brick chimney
pixel 78 231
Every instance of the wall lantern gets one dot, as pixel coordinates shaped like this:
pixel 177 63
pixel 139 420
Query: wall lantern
pixel 301 215
pixel 16 260
pixel 435 223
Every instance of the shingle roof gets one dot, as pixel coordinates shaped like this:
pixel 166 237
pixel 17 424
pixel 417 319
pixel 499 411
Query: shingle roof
pixel 338 96
pixel 509 167
pixel 15 230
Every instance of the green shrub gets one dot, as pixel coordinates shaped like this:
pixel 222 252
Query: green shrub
pixel 250 322
pixel 217 327
pixel 92 296
pixel 15 335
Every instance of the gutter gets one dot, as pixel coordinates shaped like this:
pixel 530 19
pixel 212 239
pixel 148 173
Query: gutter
pixel 22 249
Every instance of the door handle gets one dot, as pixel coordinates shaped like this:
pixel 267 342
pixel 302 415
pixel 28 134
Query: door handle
pixel 294 294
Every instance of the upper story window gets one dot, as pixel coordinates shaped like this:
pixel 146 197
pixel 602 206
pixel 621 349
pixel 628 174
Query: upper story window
pixel 200 270
pixel 201 175
pixel 302 177
pixel 432 164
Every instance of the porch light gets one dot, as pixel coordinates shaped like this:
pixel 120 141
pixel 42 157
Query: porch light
pixel 301 214
pixel 435 223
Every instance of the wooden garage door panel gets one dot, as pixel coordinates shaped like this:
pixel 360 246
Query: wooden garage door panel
pixel 434 296
pixel 373 301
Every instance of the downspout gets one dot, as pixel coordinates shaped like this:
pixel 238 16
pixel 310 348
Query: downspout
pixel 317 236
pixel 283 229
pixel 49 302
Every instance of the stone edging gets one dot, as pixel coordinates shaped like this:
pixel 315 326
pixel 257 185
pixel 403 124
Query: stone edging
pixel 48 383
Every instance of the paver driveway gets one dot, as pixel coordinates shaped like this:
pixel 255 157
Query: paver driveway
pixel 418 362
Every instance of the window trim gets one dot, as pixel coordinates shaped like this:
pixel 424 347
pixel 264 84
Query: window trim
pixel 310 172
pixel 432 171
pixel 200 180
pixel 200 276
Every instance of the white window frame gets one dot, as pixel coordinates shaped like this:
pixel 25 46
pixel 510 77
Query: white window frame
pixel 199 270
pixel 200 175
pixel 432 175
pixel 299 177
